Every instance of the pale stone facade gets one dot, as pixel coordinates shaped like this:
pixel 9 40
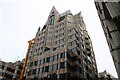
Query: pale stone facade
pixel 62 49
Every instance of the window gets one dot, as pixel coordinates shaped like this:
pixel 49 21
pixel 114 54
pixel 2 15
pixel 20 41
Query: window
pixel 65 76
pixel 61 18
pixel 87 43
pixel 46 68
pixel 42 69
pixel 98 7
pixel 56 36
pixel 50 68
pixel 78 52
pixel 55 42
pixel 48 59
pixel 80 69
pixel 2 67
pixel 51 20
pixel 74 68
pixel 88 49
pixel 37 44
pixel 49 38
pixel 70 30
pixel 51 59
pixel 106 11
pixel 46 49
pixel 54 49
pixel 38 40
pixel 86 38
pixel 85 59
pixel 41 48
pixel 44 27
pixel 71 36
pixel 42 42
pixel 34 71
pixel 58 56
pixel 62 40
pixel 18 72
pixel 68 56
pixel 58 41
pixel 39 62
pixel 62 55
pixel 10 69
pixel 8 75
pixel 78 45
pixel 36 62
pixel 74 58
pixel 31 64
pixel 36 50
pixel 109 33
pixel 55 57
pixel 42 61
pixel 1 73
pixel 77 38
pixel 79 61
pixel 62 64
pixel 38 70
pixel 20 67
pixel 60 35
pixel 68 65
pixel 55 67
pixel 70 43
pixel 74 49
pixel 62 76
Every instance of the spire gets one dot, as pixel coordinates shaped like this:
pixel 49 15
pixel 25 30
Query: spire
pixel 53 8
pixel 53 11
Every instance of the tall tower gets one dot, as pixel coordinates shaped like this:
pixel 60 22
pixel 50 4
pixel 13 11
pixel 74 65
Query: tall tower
pixel 109 14
pixel 62 49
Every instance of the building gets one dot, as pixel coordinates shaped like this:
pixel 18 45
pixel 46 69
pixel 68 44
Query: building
pixel 62 49
pixel 109 14
pixel 10 70
pixel 106 76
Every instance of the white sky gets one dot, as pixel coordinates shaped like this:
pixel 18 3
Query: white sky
pixel 20 19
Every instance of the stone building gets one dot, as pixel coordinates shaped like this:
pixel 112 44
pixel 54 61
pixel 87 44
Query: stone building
pixel 62 49
pixel 109 14
pixel 10 70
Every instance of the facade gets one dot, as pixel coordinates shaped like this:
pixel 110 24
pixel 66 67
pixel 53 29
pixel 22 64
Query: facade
pixel 10 71
pixel 109 14
pixel 62 49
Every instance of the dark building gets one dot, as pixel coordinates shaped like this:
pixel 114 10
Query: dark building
pixel 109 14
pixel 106 76
pixel 10 70
pixel 62 49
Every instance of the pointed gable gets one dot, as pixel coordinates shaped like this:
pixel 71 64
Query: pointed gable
pixel 53 16
pixel 53 11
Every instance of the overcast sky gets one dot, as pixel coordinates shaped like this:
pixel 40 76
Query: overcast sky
pixel 20 19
